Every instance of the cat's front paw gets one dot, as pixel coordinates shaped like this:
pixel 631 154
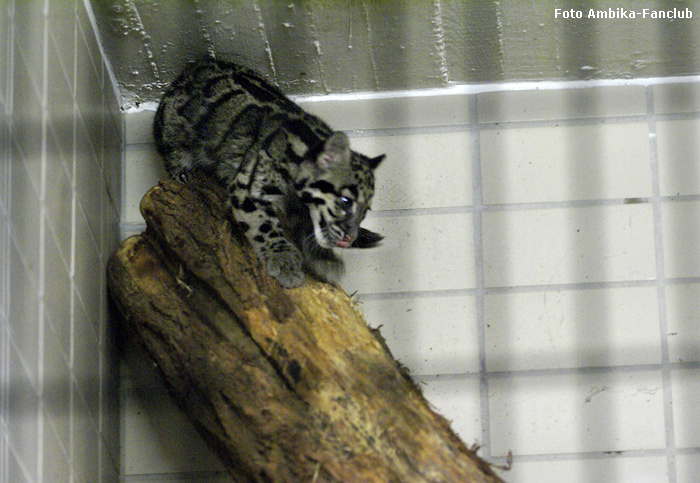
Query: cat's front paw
pixel 326 269
pixel 286 267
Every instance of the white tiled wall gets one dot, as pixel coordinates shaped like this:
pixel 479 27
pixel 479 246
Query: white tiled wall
pixel 61 139
pixel 540 276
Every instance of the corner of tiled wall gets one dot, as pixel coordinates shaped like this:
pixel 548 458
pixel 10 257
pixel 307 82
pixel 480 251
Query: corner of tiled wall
pixel 539 276
pixel 61 140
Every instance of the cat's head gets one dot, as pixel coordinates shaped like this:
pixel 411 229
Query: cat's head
pixel 337 188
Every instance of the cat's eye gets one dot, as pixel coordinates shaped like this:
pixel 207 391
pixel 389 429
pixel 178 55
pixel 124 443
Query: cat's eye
pixel 346 203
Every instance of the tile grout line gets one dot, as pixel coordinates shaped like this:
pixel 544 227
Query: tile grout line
pixel 6 250
pixel 41 309
pixel 562 371
pixel 523 289
pixel 72 268
pixel 661 289
pixel 477 193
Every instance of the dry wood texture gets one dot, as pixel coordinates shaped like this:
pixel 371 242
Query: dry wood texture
pixel 284 385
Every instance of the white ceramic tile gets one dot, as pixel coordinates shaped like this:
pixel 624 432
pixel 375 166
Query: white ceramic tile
pixel 619 469
pixel 561 104
pixel 143 171
pixel 678 145
pixel 24 313
pixel 392 112
pixel 55 462
pixel 88 266
pixel 16 472
pixel 23 427
pixel 86 439
pixel 61 26
pixel 110 227
pixel 89 183
pixel 688 468
pixel 57 284
pixel 431 252
pixel 139 127
pixel 86 35
pixel 408 325
pixel 574 245
pixel 112 163
pixel 456 399
pixel 682 322
pixel 421 170
pixel 565 163
pixel 58 200
pixel 65 443
pixel 5 22
pixel 60 101
pixel 86 361
pixel 56 389
pixel 27 61
pixel 24 211
pixel 158 438
pixel 109 470
pixel 686 407
pixel 681 235
pixel 88 97
pixel 576 413
pixel 572 328
pixel 676 98
pixel 110 405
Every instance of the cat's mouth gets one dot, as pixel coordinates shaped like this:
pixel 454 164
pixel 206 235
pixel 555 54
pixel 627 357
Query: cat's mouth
pixel 345 242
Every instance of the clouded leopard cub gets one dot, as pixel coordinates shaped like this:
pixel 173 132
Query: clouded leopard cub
pixel 295 187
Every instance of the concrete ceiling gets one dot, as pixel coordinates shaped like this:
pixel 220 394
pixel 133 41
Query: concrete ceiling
pixel 334 46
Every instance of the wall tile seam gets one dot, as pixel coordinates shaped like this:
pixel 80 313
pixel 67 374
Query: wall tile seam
pixel 593 370
pixel 52 427
pixel 64 70
pixel 77 391
pixel 79 299
pixel 13 141
pixel 523 289
pixel 601 455
pixel 36 91
pixel 95 237
pixel 83 125
pixel 480 278
pixel 526 206
pixel 584 121
pixel 14 454
pixel 27 372
pixel 502 207
pixel 669 427
pixel 201 476
pixel 41 345
pixel 106 64
pixel 96 70
pixel 32 274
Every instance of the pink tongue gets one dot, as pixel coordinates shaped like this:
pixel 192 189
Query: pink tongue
pixel 345 242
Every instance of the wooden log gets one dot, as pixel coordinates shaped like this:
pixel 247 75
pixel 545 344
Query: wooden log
pixel 285 385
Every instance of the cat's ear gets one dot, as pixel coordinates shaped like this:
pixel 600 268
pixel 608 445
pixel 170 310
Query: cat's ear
pixel 336 151
pixel 367 239
pixel 374 162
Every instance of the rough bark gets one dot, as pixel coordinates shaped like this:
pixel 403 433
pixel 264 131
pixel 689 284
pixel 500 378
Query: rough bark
pixel 284 385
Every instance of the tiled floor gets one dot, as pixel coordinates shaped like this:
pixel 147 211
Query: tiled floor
pixel 540 274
